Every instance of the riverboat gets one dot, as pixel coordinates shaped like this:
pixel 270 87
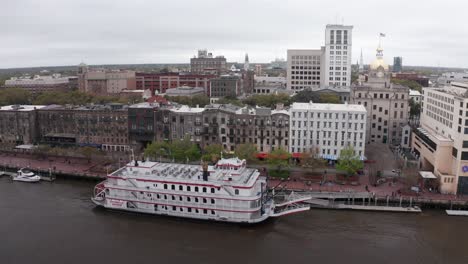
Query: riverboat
pixel 227 191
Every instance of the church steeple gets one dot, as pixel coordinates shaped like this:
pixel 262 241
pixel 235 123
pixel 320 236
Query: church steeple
pixel 246 62
pixel 361 63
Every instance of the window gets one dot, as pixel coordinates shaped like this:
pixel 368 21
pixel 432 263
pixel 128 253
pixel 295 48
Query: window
pixel 204 189
pixel 196 189
pixel 464 155
pixel 188 188
pixel 236 191
pixel 173 187
pixel 213 201
pixel 181 188
pixel 212 190
pixel 165 186
pixel 454 152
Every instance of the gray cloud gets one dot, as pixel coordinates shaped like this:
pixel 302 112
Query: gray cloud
pixel 66 32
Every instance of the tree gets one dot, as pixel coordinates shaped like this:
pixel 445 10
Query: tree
pixel 311 159
pixel 246 151
pixel 408 83
pixel 11 96
pixel 89 152
pixel 306 96
pixel 267 100
pixel 179 150
pixel 349 162
pixel 415 108
pixel 213 152
pixel 329 98
pixel 230 100
pixel 278 161
pixel 157 150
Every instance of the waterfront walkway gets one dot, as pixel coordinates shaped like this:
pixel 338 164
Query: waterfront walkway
pixel 57 165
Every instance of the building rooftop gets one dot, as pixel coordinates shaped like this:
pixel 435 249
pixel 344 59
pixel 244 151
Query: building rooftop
pixel 22 108
pixel 328 107
pixel 414 93
pixel 187 109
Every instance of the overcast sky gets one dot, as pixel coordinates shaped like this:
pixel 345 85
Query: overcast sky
pixel 66 32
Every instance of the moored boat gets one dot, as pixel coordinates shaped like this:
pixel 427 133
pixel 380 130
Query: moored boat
pixel 25 175
pixel 227 191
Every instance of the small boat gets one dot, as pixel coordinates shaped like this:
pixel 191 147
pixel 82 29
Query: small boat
pixel 26 175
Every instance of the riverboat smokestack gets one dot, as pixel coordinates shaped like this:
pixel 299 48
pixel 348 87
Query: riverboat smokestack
pixel 206 173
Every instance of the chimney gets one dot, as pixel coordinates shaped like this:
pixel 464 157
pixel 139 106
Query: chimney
pixel 206 173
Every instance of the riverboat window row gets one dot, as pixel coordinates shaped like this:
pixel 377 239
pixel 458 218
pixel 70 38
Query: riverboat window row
pixel 183 209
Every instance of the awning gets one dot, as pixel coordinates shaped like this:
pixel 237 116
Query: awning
pixel 329 157
pixel 427 175
pixel 296 155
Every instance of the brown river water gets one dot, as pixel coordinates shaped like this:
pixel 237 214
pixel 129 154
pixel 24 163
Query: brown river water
pixel 57 223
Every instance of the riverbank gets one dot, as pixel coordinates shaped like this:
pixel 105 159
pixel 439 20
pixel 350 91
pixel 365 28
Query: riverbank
pixel 93 170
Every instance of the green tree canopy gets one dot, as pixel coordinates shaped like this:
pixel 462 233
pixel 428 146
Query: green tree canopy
pixel 415 108
pixel 179 150
pixel 306 96
pixel 408 83
pixel 213 152
pixel 9 96
pixel 278 159
pixel 246 151
pixel 329 98
pixel 267 100
pixel 349 162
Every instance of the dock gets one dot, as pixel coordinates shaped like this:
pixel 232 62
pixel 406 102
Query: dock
pixel 362 201
pixel 457 212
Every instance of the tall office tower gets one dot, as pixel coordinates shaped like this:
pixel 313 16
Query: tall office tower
pixel 338 46
pixel 246 62
pixel 304 69
pixel 397 64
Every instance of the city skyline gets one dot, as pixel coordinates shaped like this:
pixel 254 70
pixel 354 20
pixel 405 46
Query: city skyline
pixel 54 33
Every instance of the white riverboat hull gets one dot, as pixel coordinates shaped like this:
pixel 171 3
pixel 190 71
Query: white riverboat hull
pixel 27 179
pixel 102 203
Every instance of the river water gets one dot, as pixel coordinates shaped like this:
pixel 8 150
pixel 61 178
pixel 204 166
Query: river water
pixel 57 223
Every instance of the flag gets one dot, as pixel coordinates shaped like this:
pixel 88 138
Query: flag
pixel 382 34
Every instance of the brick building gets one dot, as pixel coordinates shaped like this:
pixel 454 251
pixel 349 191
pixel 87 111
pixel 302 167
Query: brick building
pixel 160 82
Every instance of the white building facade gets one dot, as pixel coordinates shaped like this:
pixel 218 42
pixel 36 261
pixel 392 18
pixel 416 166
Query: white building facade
pixel 338 47
pixel 327 128
pixel 328 66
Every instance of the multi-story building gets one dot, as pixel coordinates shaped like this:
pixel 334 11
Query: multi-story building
pixel 39 83
pixel 19 124
pixel 160 82
pixel 225 86
pixel 102 126
pixel 386 103
pixel 441 141
pixel 328 66
pixel 206 63
pixel 304 69
pixel 412 76
pixel 325 129
pixel 337 59
pixel 416 96
pixel 276 81
pixel 185 91
pixel 397 64
pixel 105 82
pixel 450 77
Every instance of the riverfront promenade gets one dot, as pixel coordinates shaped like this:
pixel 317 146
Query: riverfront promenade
pixel 82 168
